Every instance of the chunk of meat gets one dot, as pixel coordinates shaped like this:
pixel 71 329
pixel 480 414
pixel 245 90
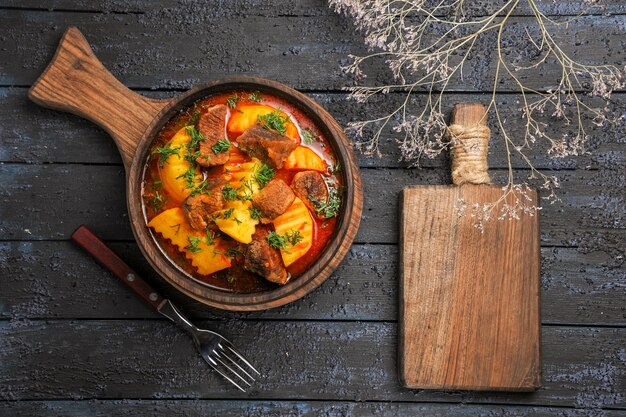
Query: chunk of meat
pixel 311 188
pixel 261 258
pixel 267 145
pixel 274 199
pixel 199 208
pixel 211 125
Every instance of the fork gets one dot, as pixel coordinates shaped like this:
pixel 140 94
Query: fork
pixel 216 350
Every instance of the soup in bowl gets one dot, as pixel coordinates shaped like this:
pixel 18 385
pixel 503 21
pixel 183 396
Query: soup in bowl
pixel 241 191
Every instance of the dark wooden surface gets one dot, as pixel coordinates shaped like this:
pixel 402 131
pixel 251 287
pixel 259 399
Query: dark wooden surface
pixel 74 341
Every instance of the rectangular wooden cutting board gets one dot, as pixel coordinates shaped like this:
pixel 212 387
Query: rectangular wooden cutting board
pixel 469 301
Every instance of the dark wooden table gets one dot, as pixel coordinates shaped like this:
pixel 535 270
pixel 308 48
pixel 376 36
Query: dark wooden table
pixel 74 341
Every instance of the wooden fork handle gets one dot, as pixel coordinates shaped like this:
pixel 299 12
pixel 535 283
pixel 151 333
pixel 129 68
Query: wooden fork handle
pixel 91 243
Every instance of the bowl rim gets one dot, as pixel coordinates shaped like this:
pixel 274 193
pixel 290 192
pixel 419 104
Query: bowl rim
pixel 333 254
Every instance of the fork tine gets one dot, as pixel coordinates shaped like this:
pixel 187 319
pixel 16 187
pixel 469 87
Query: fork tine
pixel 224 354
pixel 239 355
pixel 229 368
pixel 215 368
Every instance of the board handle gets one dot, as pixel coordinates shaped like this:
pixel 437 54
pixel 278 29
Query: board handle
pixel 469 136
pixel 75 81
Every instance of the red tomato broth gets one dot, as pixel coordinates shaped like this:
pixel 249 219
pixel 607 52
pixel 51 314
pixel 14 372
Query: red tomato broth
pixel 236 279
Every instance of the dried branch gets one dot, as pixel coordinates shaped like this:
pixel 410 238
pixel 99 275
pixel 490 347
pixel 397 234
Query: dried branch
pixel 426 44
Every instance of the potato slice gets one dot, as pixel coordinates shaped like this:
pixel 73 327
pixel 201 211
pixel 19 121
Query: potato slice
pixel 295 219
pixel 303 158
pixel 243 180
pixel 175 167
pixel 236 221
pixel 244 117
pixel 206 258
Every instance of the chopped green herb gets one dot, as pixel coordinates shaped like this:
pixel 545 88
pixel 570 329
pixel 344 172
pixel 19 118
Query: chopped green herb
pixel 220 146
pixel 194 241
pixel 189 176
pixel 263 174
pixel 229 193
pixel 277 240
pixel 274 121
pixel 255 213
pixel 228 213
pixel 156 185
pixel 165 152
pixel 200 189
pixel 232 101
pixel 191 157
pixel 193 120
pixel 308 136
pixel 335 168
pixel 245 191
pixel 156 201
pixel 196 138
pixel 232 252
pixel 236 220
pixel 230 278
pixel 209 238
pixel 294 237
pixel 255 96
pixel 331 207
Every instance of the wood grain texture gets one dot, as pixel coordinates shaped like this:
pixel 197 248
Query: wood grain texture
pixel 42 280
pixel 75 81
pixel 469 298
pixel 286 7
pixel 591 200
pixel 56 166
pixel 266 408
pixel 178 47
pixel 27 128
pixel 332 361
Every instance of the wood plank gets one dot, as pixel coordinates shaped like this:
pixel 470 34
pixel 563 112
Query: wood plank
pixel 47 280
pixel 32 134
pixel 230 8
pixel 581 204
pixel 238 408
pixel 284 7
pixel 54 205
pixel 42 202
pixel 583 367
pixel 44 279
pixel 176 49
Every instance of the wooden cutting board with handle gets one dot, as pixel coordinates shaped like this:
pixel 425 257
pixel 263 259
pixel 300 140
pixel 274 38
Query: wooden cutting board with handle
pixel 469 300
